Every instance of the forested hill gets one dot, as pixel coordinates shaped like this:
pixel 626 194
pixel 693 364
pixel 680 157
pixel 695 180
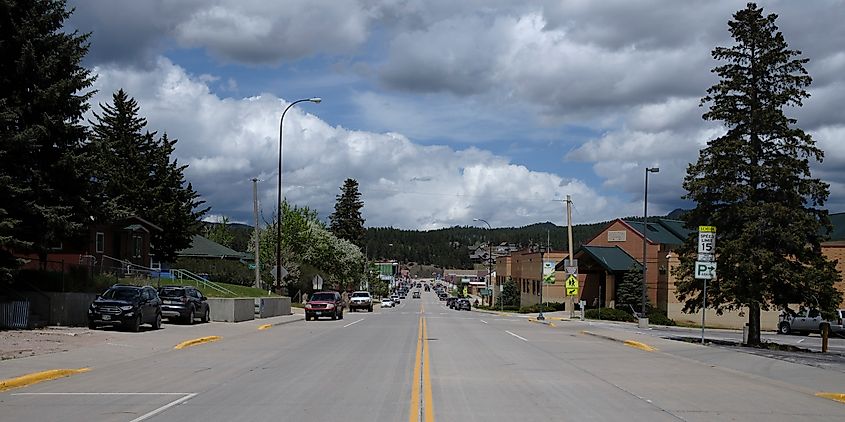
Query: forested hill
pixel 449 247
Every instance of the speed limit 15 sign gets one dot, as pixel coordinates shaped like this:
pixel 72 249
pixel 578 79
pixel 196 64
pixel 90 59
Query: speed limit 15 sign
pixel 706 239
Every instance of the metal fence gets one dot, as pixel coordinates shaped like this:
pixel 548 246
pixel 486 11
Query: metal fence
pixel 14 314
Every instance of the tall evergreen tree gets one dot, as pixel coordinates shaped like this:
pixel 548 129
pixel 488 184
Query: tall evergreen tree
pixel 42 98
pixel 754 184
pixel 630 289
pixel 346 220
pixel 133 173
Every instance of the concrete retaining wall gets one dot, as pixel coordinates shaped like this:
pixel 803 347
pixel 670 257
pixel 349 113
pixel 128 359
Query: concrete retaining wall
pixel 231 310
pixel 266 307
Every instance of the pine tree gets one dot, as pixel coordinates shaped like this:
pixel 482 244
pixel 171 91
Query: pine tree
pixel 42 98
pixel 630 289
pixel 753 183
pixel 220 232
pixel 133 173
pixel 346 220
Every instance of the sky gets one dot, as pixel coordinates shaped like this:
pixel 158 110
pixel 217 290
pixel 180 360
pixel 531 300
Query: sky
pixel 446 111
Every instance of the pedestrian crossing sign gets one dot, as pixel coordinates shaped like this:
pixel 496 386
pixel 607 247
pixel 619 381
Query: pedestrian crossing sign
pixel 571 285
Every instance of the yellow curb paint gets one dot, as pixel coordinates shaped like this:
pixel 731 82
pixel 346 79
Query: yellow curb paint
pixel 37 377
pixel 638 345
pixel 589 333
pixel 265 326
pixel 552 324
pixel 196 341
pixel 840 397
pixel 414 411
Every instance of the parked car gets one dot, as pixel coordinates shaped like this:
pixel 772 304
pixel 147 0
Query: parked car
pixel 463 305
pixel 387 303
pixel 361 300
pixel 805 321
pixel 416 295
pixel 450 302
pixel 126 306
pixel 185 303
pixel 321 304
pixel 395 299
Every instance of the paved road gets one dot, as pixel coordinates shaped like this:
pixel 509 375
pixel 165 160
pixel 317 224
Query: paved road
pixel 422 362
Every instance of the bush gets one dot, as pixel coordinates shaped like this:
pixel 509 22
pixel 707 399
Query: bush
pixel 547 307
pixel 609 314
pixel 658 317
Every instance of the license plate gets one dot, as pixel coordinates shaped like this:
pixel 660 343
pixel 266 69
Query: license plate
pixel 318 313
pixel 106 317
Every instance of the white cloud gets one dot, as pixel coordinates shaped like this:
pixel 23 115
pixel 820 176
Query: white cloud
pixel 228 141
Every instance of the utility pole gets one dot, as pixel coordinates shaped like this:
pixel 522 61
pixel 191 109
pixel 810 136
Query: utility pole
pixel 255 214
pixel 571 301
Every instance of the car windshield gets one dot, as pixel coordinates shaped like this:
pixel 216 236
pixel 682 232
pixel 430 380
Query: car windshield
pixel 171 291
pixel 121 293
pixel 322 297
pixel 360 294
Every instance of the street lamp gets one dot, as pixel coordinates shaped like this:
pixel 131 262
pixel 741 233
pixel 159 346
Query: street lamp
pixel 315 100
pixel 489 262
pixel 645 231
pixel 542 249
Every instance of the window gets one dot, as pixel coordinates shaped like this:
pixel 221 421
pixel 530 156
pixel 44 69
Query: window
pixel 136 246
pixel 101 242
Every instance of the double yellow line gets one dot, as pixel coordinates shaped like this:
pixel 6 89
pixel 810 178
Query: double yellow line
pixel 422 407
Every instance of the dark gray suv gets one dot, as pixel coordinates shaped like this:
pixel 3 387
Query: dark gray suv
pixel 184 303
pixel 127 307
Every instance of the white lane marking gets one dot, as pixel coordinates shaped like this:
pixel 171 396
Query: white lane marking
pixel 444 313
pixel 521 338
pixel 186 397
pixel 799 341
pixel 163 408
pixel 119 344
pixel 353 323
pixel 483 321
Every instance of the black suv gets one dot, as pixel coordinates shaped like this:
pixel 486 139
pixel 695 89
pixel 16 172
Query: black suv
pixel 183 303
pixel 127 306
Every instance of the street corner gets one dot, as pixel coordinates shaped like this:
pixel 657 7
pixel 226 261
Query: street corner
pixel 36 377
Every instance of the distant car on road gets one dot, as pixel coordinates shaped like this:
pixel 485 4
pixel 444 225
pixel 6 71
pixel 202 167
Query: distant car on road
pixel 416 295
pixel 126 306
pixel 463 305
pixel 183 302
pixel 387 303
pixel 322 304
pixel 361 300
pixel 395 299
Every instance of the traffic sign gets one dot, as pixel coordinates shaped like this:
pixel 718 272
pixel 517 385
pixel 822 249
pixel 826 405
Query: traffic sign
pixel 706 257
pixel 705 270
pixel 571 271
pixel 706 239
pixel 571 285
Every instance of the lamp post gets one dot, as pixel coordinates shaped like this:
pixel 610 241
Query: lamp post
pixel 315 100
pixel 489 259
pixel 645 231
pixel 542 250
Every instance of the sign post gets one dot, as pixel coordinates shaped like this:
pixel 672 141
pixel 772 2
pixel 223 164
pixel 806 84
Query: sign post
pixel 705 265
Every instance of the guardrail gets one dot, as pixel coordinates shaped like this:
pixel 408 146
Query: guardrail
pixel 185 274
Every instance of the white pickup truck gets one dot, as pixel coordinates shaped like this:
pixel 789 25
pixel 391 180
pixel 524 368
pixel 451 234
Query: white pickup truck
pixel 361 300
pixel 807 321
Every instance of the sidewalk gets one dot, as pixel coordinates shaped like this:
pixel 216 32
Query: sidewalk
pixel 114 346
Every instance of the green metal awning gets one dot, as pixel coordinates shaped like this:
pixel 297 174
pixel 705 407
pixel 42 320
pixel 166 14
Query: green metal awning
pixel 611 258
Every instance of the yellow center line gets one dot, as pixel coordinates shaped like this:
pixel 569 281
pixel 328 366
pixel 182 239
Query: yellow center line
pixel 414 412
pixel 421 404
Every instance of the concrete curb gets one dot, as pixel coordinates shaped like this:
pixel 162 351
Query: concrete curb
pixel 629 343
pixel 36 377
pixel 196 341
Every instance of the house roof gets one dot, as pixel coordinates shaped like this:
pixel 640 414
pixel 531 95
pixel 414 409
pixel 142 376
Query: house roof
pixel 612 258
pixel 206 248
pixel 667 232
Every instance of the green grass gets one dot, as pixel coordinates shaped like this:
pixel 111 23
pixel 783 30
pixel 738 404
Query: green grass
pixel 240 291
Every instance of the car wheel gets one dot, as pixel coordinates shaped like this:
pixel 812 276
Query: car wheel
pixel 190 319
pixel 157 323
pixel 341 314
pixel 783 328
pixel 334 315
pixel 91 325
pixel 135 325
pixel 370 309
pixel 206 315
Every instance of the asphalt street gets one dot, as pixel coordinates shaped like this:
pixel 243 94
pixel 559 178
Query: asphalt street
pixel 422 362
